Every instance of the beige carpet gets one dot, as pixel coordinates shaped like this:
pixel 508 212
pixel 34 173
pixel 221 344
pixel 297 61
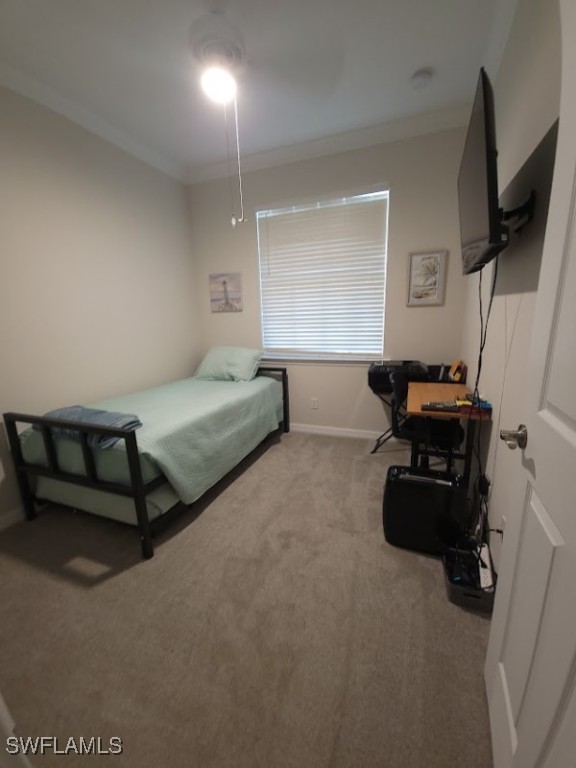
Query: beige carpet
pixel 274 627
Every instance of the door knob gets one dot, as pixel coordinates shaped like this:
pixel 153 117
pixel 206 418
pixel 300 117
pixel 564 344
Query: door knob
pixel 515 437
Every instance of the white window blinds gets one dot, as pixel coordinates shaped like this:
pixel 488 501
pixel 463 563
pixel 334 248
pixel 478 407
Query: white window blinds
pixel 322 278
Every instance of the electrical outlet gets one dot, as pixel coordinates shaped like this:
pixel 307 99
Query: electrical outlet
pixel 503 524
pixel 314 402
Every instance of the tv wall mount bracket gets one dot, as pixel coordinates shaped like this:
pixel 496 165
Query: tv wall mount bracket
pixel 521 215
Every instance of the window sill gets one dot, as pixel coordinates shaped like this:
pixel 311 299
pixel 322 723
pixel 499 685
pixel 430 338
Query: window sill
pixel 310 360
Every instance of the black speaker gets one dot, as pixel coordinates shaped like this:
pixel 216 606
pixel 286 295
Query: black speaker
pixel 423 509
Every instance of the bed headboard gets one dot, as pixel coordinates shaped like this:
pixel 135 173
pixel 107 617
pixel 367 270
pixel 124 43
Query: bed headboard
pixel 282 374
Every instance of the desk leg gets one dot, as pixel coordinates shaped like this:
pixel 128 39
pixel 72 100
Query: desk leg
pixel 469 450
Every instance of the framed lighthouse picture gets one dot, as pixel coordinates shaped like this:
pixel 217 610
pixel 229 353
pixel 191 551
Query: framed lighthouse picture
pixel 225 292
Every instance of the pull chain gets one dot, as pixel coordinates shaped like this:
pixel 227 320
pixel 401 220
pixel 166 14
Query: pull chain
pixel 229 159
pixel 241 220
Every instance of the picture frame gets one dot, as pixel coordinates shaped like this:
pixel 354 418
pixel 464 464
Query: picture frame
pixel 427 278
pixel 225 292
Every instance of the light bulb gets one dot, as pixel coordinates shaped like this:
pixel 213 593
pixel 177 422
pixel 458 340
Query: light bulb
pixel 219 85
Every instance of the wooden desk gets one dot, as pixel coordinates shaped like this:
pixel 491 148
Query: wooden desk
pixel 420 392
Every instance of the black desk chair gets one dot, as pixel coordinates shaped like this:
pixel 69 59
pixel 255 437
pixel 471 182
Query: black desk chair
pixel 380 383
pixel 428 436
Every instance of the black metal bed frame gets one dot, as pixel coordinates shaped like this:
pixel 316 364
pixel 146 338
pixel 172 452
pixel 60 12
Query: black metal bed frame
pixel 137 490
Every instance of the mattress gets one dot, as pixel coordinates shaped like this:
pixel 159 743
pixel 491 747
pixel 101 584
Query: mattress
pixel 193 433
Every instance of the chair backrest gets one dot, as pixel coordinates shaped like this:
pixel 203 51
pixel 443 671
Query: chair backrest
pixel 399 382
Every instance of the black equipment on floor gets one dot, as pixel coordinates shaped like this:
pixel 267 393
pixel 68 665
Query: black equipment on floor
pixel 463 568
pixel 423 509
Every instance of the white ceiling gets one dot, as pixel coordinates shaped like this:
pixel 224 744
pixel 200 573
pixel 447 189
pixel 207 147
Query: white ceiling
pixel 319 76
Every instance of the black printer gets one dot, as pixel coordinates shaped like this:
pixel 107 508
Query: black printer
pixel 379 373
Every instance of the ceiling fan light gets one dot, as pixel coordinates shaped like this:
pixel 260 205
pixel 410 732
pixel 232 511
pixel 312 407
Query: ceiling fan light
pixel 219 85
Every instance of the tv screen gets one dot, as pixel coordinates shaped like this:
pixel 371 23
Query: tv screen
pixel 482 232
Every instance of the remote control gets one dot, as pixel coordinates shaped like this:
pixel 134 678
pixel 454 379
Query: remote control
pixel 485 568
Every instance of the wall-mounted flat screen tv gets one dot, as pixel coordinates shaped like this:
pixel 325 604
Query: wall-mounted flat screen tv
pixel 483 234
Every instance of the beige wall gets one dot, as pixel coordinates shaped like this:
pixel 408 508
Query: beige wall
pixel 421 175
pixel 96 277
pixel 527 98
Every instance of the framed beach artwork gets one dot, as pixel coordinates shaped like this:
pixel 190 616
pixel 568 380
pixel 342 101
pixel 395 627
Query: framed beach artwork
pixel 427 278
pixel 225 292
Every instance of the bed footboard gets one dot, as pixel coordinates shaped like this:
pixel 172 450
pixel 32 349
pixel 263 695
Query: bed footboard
pixel 137 490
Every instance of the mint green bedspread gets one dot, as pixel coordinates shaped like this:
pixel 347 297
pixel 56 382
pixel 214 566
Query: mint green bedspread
pixel 193 432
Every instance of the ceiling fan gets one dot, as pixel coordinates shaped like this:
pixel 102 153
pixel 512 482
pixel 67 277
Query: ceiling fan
pixel 290 63
pixel 268 49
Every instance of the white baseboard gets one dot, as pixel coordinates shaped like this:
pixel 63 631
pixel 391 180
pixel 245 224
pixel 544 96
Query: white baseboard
pixel 11 517
pixel 314 429
pixel 390 446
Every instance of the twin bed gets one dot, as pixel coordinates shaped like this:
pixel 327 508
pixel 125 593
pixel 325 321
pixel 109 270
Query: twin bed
pixel 192 433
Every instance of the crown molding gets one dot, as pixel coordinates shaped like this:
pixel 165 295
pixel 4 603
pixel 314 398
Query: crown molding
pixel 417 125
pixel 51 99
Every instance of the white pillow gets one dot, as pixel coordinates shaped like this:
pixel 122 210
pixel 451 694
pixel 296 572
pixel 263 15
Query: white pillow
pixel 229 364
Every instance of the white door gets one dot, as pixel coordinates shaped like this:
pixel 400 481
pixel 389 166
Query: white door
pixel 531 662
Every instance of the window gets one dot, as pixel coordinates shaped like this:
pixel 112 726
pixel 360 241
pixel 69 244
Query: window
pixel 322 278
